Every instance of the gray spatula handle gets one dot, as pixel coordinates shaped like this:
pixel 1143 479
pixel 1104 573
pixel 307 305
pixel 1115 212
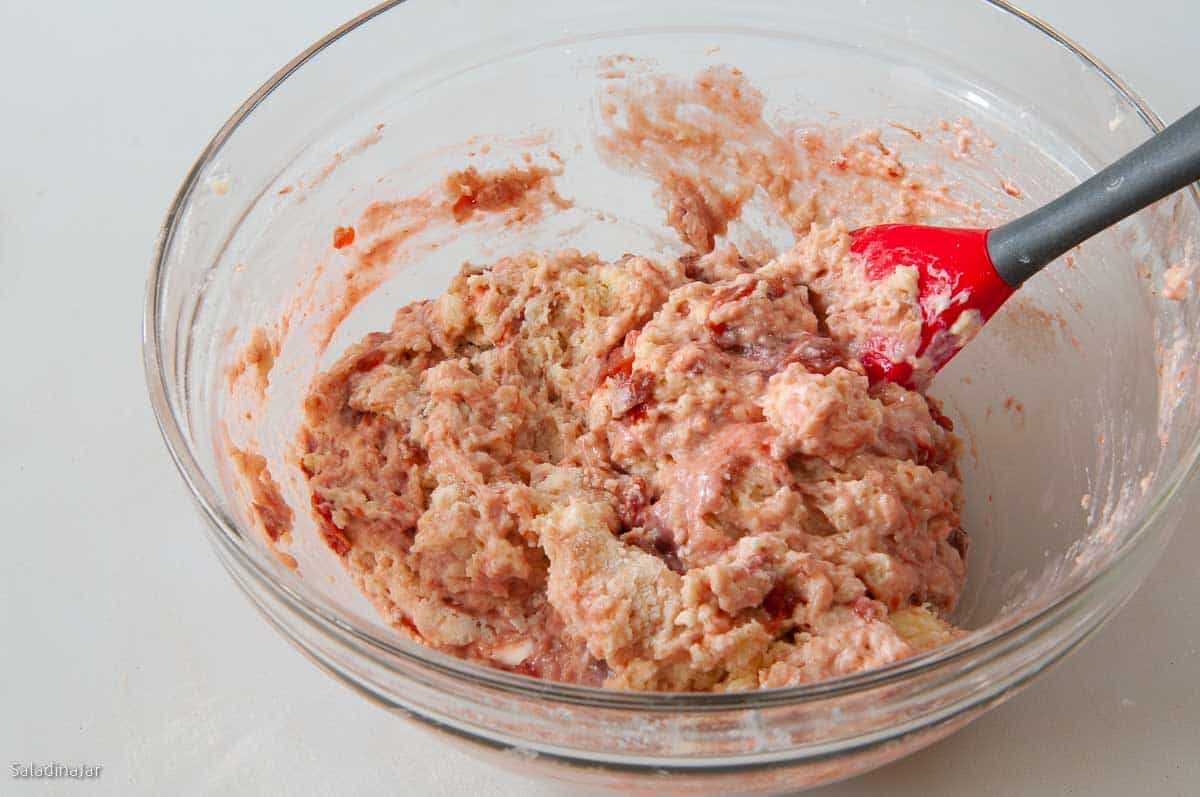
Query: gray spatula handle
pixel 1162 165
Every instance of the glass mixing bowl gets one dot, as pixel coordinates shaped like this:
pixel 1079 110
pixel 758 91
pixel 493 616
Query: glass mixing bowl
pixel 1077 404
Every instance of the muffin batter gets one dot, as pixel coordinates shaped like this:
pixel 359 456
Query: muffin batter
pixel 645 474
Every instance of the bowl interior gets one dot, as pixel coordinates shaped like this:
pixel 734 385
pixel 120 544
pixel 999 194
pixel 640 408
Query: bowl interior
pixel 1072 403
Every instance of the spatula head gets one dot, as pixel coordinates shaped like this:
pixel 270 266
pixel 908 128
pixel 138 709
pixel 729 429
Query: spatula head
pixel 958 291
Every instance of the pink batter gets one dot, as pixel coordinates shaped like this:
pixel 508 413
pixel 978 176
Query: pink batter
pixel 653 475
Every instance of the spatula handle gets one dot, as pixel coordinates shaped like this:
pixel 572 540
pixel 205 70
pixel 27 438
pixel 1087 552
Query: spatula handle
pixel 1166 163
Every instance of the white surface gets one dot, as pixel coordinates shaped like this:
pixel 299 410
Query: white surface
pixel 124 643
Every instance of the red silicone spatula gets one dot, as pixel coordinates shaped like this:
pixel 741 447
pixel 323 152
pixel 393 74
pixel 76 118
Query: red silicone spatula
pixel 963 276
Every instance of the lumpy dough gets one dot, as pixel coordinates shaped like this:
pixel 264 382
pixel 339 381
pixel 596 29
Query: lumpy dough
pixel 644 474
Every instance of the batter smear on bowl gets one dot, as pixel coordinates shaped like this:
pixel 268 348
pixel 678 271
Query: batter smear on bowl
pixel 664 474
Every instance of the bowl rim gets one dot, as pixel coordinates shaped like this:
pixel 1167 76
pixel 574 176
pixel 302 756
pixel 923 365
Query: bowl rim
pixel 384 650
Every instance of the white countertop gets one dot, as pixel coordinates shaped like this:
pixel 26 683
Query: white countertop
pixel 124 644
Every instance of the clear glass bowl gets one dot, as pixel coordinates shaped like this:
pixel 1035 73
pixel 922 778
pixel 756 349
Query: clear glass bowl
pixel 1077 404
